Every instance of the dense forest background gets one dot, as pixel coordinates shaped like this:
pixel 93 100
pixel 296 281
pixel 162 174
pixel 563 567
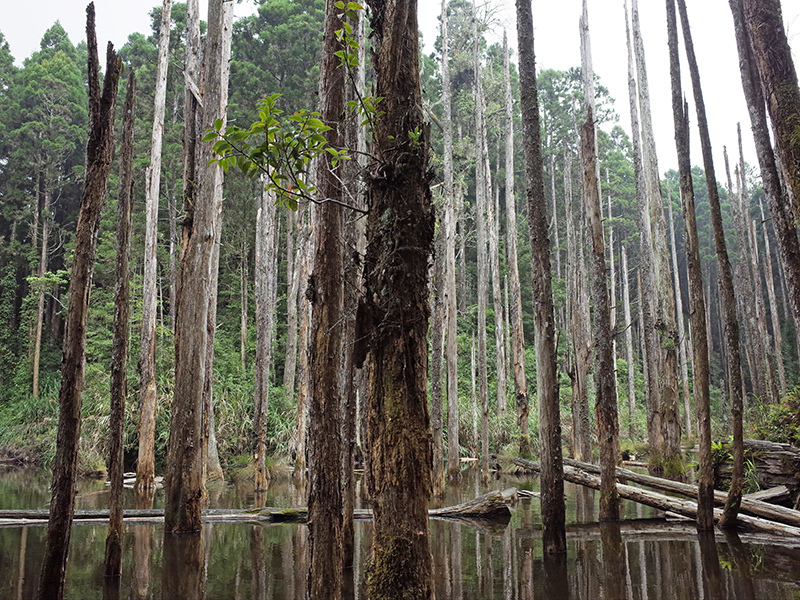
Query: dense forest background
pixel 43 125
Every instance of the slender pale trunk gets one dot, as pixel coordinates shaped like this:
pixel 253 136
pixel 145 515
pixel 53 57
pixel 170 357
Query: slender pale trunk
pixel 473 378
pixel 728 298
pixel 185 456
pixel 771 391
pixel 265 292
pixel 306 264
pixel 148 395
pixel 773 305
pixel 687 410
pixel 37 341
pixel 605 386
pixel 579 322
pixel 244 301
pixel 451 310
pixel 705 497
pixel 99 154
pixel 437 335
pixel 463 291
pixel 552 499
pixel 483 259
pixel 293 288
pixel 626 300
pixel 211 464
pixel 554 216
pixel 119 352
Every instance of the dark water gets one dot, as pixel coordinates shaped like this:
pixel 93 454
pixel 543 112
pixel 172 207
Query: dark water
pixel 642 558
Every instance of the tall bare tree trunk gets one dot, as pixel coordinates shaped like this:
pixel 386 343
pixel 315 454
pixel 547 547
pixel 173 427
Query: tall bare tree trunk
pixel 148 394
pixel 580 322
pixel 265 292
pixel 676 276
pixel 626 300
pixel 773 306
pixel 451 315
pixel 481 203
pixel 437 335
pixel 293 284
pixel 552 500
pixel 395 314
pixel 327 324
pixel 119 352
pixel 782 218
pixel 705 496
pixel 307 256
pixel 725 282
pixel 646 278
pixel 183 482
pixel 244 301
pixel 606 391
pixel 37 342
pixel 99 154
pixel 515 294
pixel 666 375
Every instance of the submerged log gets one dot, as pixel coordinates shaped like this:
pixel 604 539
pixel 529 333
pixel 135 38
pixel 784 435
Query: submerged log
pixel 491 507
pixel 751 504
pixel 686 508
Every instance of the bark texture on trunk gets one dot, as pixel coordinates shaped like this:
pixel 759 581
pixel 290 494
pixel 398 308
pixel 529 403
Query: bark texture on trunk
pixel 705 496
pixel 148 394
pixel 666 413
pixel 728 298
pixel 395 313
pixel 451 316
pixel 183 482
pixel 99 154
pixel 773 307
pixel 119 344
pixel 626 303
pixel 325 360
pixel 782 218
pixel 514 292
pixel 438 313
pixel 553 509
pixel 293 253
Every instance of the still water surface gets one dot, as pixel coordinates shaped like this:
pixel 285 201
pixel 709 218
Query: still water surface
pixel 646 559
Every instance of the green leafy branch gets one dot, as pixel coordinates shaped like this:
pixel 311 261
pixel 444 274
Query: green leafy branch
pixel 280 149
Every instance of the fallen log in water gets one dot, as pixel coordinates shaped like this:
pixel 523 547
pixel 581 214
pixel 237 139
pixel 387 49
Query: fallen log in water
pixel 686 508
pixel 750 505
pixel 489 508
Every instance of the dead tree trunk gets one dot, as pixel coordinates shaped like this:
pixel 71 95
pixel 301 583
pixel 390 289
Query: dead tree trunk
pixel 437 333
pixel 725 281
pixel 451 315
pixel 782 218
pixel 119 351
pixel 773 307
pixel 553 509
pixel 183 482
pixel 394 313
pixel 307 255
pixel 515 294
pixel 666 375
pixel 626 302
pixel 605 381
pixel 99 153
pixel 293 252
pixel 37 341
pixel 327 299
pixel 148 394
pixel 705 499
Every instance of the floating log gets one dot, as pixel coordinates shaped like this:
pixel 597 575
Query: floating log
pixel 489 508
pixel 750 505
pixel 686 508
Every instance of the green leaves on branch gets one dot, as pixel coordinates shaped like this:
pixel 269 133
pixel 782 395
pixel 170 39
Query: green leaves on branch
pixel 279 148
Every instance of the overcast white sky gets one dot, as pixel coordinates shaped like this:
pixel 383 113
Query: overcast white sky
pixel 556 44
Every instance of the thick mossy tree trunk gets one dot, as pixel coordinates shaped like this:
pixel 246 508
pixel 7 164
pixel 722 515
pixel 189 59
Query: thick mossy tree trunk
pixel 183 482
pixel 119 344
pixel 730 318
pixel 782 218
pixel 148 394
pixel 705 479
pixel 394 314
pixel 553 509
pixel 99 153
pixel 325 360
